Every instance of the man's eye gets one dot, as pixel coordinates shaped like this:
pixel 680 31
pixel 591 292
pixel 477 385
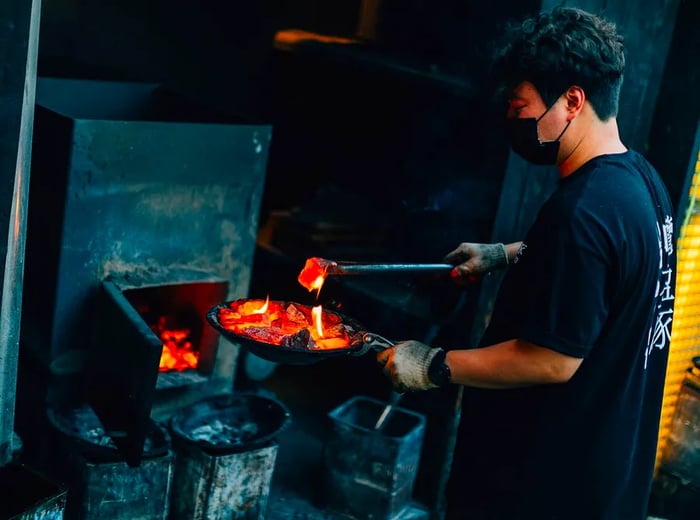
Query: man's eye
pixel 516 109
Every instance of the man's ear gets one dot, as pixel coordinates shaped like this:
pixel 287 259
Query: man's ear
pixel 575 98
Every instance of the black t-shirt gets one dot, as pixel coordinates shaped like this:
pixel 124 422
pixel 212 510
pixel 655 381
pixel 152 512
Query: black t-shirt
pixel 594 279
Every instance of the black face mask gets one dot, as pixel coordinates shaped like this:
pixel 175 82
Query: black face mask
pixel 525 140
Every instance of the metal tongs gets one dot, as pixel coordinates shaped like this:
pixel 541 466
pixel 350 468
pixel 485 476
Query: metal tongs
pixel 369 341
pixel 317 269
pixel 340 268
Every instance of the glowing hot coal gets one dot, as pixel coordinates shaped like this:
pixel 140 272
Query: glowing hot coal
pixel 313 275
pixel 286 324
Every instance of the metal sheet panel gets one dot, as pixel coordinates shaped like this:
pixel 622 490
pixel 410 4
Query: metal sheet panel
pixel 138 193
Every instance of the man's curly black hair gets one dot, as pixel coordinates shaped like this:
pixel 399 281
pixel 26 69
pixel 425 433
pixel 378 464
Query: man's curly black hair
pixel 561 48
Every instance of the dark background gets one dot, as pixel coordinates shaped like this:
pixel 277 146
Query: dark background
pixel 388 149
pixel 398 137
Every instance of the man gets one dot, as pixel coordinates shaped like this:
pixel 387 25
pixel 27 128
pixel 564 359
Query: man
pixel 562 399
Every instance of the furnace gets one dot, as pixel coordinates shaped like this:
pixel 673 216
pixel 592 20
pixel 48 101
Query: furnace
pixel 144 215
pixel 154 353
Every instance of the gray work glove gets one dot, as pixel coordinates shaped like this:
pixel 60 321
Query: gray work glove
pixel 407 365
pixel 472 261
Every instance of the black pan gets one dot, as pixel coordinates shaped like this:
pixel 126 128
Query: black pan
pixel 362 341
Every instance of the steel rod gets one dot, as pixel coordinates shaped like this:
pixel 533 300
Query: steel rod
pixel 19 31
pixel 393 401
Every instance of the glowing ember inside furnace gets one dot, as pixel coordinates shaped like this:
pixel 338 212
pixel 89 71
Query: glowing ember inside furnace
pixel 178 352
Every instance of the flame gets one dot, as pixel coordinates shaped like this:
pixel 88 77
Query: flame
pixel 263 309
pixel 318 283
pixel 317 313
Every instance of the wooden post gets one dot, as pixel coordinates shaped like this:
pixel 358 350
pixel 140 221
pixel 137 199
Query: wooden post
pixel 19 38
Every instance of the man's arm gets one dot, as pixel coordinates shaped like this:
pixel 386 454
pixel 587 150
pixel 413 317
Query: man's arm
pixel 513 363
pixel 411 365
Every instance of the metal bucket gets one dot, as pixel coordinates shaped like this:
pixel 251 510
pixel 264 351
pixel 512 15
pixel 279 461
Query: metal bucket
pixel 225 453
pixel 370 472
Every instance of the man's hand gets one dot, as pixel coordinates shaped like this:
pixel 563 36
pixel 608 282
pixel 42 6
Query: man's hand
pixel 472 261
pixel 407 365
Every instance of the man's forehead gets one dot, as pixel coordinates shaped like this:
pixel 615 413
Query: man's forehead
pixel 525 90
